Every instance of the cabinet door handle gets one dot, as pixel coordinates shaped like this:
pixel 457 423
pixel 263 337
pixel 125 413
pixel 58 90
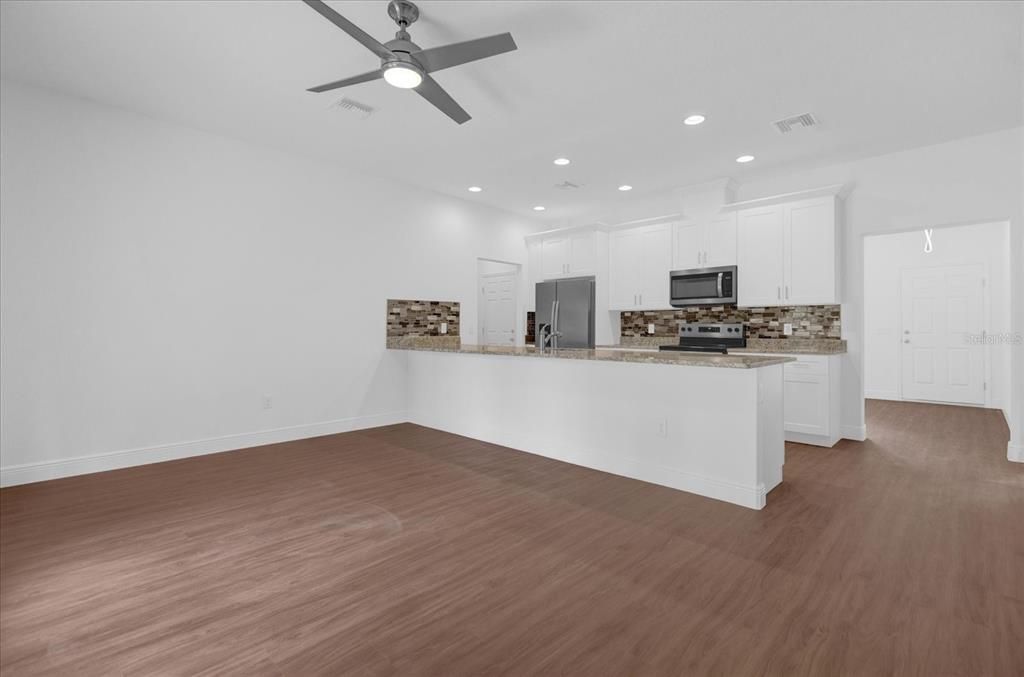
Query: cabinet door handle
pixel 787 291
pixel 778 292
pixel 641 299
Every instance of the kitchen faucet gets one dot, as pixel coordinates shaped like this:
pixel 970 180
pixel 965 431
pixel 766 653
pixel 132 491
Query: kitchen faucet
pixel 546 337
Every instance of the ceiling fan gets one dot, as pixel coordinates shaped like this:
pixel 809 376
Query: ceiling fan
pixel 405 65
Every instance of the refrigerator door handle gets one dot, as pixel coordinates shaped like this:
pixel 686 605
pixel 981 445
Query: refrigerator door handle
pixel 555 334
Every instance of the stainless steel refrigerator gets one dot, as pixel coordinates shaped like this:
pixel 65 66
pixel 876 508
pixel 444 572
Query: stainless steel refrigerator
pixel 567 306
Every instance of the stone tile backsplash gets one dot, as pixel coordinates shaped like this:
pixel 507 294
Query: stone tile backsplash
pixel 421 318
pixel 807 321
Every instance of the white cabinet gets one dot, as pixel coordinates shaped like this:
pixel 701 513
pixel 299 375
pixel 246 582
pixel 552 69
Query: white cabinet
pixel 759 256
pixel 569 255
pixel 720 241
pixel 639 263
pixel 786 254
pixel 699 245
pixel 809 254
pixel 554 256
pixel 688 246
pixel 811 392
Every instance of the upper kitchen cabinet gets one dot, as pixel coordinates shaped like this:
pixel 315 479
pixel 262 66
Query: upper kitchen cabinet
pixel 569 254
pixel 787 249
pixel 639 261
pixel 700 245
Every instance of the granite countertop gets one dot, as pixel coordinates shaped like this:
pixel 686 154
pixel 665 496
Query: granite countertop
pixel 598 354
pixel 791 346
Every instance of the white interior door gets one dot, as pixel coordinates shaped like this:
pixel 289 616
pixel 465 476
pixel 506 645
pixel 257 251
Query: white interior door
pixel 499 309
pixel 942 308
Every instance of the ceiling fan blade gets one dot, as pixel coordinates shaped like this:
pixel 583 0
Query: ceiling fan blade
pixel 446 56
pixel 355 31
pixel 354 80
pixel 433 92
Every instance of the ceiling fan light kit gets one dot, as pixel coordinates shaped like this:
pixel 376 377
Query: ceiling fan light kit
pixel 404 64
pixel 402 75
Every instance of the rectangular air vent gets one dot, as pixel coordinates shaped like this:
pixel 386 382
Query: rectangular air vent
pixel 346 105
pixel 786 125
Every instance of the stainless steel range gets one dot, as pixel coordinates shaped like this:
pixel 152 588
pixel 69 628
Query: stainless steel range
pixel 709 337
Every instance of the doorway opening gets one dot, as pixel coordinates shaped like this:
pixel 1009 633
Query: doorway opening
pixel 936 303
pixel 498 302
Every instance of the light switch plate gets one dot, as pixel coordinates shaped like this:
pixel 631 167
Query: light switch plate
pixel 444 327
pixel 787 329
pixel 650 328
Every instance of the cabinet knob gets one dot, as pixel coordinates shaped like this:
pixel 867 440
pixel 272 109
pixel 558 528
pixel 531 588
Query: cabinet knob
pixel 906 340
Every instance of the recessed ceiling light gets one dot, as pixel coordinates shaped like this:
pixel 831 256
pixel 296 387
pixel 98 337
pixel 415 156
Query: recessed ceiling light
pixel 475 189
pixel 745 158
pixel 694 120
pixel 562 161
pixel 625 187
pixel 538 208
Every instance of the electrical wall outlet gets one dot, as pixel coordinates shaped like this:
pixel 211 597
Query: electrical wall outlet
pixel 268 402
pixel 787 329
pixel 650 328
pixel 444 327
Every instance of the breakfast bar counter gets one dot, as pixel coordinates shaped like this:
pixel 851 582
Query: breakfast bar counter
pixel 707 424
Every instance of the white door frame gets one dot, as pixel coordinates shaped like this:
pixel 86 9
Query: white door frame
pixel 986 326
pixel 515 273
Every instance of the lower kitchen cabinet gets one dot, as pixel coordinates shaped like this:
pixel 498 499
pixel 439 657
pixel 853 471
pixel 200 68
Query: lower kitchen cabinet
pixel 810 407
pixel 810 399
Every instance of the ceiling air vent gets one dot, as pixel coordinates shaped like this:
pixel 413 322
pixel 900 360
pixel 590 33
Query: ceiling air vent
pixel 786 125
pixel 355 108
pixel 566 185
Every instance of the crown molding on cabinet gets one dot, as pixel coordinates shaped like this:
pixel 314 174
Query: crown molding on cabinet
pixel 839 190
pixel 540 235
pixel 725 186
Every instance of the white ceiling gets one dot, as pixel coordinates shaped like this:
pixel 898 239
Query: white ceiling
pixel 604 83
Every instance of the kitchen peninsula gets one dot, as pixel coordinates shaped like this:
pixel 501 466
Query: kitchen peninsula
pixel 707 424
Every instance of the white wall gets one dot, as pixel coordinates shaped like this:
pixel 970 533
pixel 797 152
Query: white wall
pixel 157 281
pixel 976 179
pixel 886 256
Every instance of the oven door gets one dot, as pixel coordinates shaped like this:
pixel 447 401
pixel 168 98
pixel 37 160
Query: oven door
pixel 702 286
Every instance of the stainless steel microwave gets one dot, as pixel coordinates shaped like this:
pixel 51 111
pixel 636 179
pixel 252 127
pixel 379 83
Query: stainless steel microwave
pixel 702 286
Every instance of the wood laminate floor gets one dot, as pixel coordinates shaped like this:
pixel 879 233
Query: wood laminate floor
pixel 408 551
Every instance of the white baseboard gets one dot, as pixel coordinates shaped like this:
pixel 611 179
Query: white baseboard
pixel 814 440
pixel 126 458
pixel 1015 452
pixel 857 433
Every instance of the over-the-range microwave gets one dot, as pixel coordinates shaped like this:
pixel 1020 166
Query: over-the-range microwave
pixel 702 286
